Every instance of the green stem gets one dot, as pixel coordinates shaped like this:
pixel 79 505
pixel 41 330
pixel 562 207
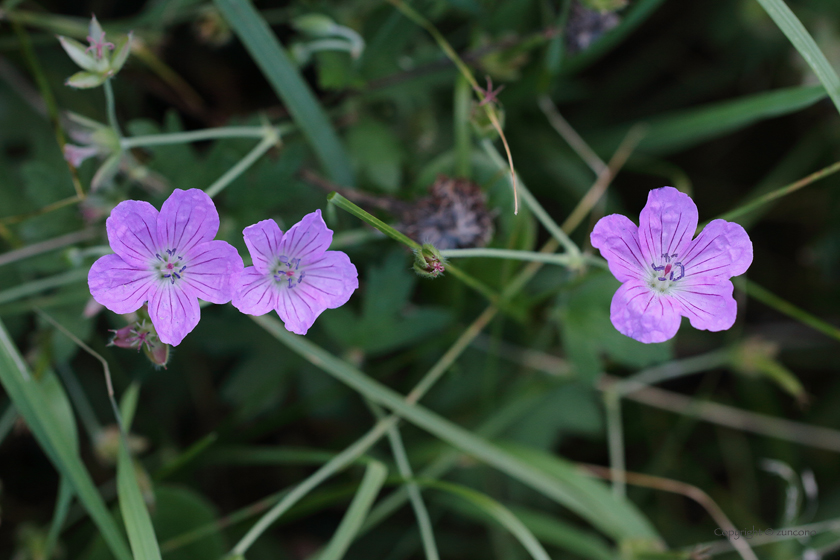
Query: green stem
pixel 778 193
pixel 420 511
pixel 463 145
pixel 205 134
pixel 371 220
pixel 615 438
pixel 536 208
pixel 755 291
pixel 562 260
pixel 36 286
pixel 111 107
pixel 271 138
pixel 672 370
pixel 47 246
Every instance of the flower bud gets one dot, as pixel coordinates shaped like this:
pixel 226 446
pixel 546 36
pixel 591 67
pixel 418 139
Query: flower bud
pixel 316 25
pixel 141 335
pixel 428 261
pixel 100 60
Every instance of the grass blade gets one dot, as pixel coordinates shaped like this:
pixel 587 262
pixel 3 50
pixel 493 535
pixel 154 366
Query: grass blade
pixel 670 133
pixel 29 400
pixel 467 442
pixel 284 78
pixel 552 531
pixel 799 37
pixel 496 511
pixel 374 478
pixel 138 524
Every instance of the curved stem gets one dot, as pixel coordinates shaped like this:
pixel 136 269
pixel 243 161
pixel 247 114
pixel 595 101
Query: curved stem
pixel 205 134
pixel 270 139
pixel 562 260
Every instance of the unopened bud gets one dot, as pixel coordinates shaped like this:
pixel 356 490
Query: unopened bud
pixel 428 261
pixel 316 25
pixel 141 335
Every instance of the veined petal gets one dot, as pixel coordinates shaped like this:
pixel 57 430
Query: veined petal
pixel 666 224
pixel 640 313
pixel 707 302
pixel 298 309
pixel 131 232
pixel 263 241
pixel 211 271
pixel 173 312
pixel 186 219
pixel 618 240
pixel 254 293
pixel 308 239
pixel 330 280
pixel 722 250
pixel 119 286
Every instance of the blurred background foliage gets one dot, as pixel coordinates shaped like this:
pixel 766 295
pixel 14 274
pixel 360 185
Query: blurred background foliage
pixel 733 111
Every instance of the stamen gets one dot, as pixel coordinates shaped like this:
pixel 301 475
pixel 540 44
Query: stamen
pixel 291 282
pixel 159 257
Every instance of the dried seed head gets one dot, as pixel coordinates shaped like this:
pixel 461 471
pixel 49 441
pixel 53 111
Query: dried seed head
pixel 453 216
pixel 586 25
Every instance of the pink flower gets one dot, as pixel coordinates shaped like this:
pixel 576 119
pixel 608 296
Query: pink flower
pixel 168 259
pixel 665 274
pixel 294 274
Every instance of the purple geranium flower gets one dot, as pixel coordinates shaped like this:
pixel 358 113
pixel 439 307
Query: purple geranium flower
pixel 665 274
pixel 168 259
pixel 294 273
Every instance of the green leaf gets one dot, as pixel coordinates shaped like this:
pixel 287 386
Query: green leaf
pixel 284 78
pixel 573 497
pixel 805 44
pixel 30 401
pixel 372 482
pixel 488 507
pixel 180 510
pixel 680 130
pixel 385 322
pixel 376 154
pixel 138 524
pixel 85 80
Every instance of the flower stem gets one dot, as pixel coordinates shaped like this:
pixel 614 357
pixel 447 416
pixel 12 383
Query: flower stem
pixel 768 298
pixel 205 134
pixel 371 220
pixel 111 107
pixel 562 260
pixel 271 138
pixel 615 438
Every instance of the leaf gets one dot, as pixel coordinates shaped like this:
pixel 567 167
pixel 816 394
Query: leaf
pixel 550 530
pixel 385 323
pixel 588 333
pixel 179 510
pixel 85 80
pixel 799 37
pixel 287 83
pixel 376 155
pixel 567 409
pixel 28 398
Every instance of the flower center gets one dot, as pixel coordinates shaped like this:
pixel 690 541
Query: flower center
pixel 667 273
pixel 170 265
pixel 287 270
pixel 99 45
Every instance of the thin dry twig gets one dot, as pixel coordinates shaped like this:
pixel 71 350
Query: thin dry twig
pixel 677 487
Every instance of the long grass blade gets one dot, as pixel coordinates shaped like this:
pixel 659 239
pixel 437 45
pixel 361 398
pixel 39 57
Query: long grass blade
pixel 799 37
pixel 138 524
pixel 284 78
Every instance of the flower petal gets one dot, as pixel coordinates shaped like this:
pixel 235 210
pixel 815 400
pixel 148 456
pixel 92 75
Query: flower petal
pixel 618 240
pixel 298 309
pixel 330 280
pixel 640 313
pixel 723 250
pixel 307 239
pixel 187 218
pixel 263 241
pixel 707 302
pixel 666 224
pixel 119 286
pixel 173 311
pixel 254 293
pixel 211 271
pixel 131 232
